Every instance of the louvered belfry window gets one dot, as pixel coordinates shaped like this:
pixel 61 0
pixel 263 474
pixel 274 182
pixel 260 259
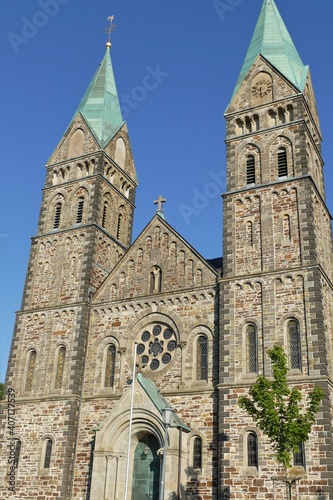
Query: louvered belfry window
pixel 79 215
pixel 119 226
pixel 250 170
pixel 56 221
pixel 282 162
pixel 105 209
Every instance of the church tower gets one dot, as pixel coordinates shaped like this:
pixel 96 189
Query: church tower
pixel 277 272
pixel 85 226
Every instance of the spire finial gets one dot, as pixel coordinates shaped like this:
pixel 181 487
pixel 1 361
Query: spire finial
pixel 109 30
pixel 159 202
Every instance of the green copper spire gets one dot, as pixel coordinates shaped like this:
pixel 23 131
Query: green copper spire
pixel 100 104
pixel 272 40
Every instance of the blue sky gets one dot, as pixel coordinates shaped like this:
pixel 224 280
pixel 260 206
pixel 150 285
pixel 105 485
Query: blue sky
pixel 194 49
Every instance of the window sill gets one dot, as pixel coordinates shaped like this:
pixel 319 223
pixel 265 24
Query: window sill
pixel 44 472
pixel 249 472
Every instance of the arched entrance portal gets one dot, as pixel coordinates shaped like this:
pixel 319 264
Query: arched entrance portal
pixel 146 469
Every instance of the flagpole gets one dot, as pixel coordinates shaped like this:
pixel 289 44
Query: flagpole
pixel 130 423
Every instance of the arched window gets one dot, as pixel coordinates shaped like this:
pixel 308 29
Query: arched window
pixel 202 358
pixel 290 112
pixel 79 213
pixel 47 453
pixel 252 450
pixel 294 345
pixel 282 115
pixel 61 354
pixel 249 234
pixel 17 453
pixel 119 225
pixel 239 127
pixel 248 124
pixel 104 216
pixel 250 170
pixel 155 280
pixel 286 227
pixel 282 162
pixel 256 121
pixel 57 214
pixel 272 117
pixel 252 349
pixel 110 366
pixel 299 456
pixel 120 154
pixel 30 369
pixel 197 453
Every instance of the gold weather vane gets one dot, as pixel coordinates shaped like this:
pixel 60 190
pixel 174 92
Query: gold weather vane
pixel 109 30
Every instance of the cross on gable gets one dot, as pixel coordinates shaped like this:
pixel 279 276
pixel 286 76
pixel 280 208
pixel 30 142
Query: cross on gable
pixel 159 202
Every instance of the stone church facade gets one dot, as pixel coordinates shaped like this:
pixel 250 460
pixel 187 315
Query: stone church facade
pixel 201 329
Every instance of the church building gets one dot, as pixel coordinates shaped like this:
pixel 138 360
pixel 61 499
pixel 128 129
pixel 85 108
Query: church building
pixel 98 307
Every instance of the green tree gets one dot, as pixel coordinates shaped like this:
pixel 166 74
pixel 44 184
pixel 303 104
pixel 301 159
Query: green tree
pixel 279 411
pixel 1 390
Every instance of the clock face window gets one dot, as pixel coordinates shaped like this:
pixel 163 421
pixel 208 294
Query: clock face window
pixel 157 345
pixel 261 88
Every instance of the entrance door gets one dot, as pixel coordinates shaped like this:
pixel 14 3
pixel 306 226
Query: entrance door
pixel 146 470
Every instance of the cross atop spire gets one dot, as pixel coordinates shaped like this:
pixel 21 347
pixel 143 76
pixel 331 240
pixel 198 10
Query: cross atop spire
pixel 159 202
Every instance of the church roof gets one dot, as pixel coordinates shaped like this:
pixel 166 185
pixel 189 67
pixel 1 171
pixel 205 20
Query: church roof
pixel 271 39
pixel 100 104
pixel 158 400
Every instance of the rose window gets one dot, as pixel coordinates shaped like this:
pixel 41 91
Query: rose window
pixel 156 346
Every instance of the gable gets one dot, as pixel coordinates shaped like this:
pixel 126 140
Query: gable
pixel 77 141
pixel 119 149
pixel 159 252
pixel 263 84
pixel 311 101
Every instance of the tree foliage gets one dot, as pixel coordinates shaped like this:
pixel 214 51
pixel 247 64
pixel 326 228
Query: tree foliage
pixel 279 411
pixel 1 390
